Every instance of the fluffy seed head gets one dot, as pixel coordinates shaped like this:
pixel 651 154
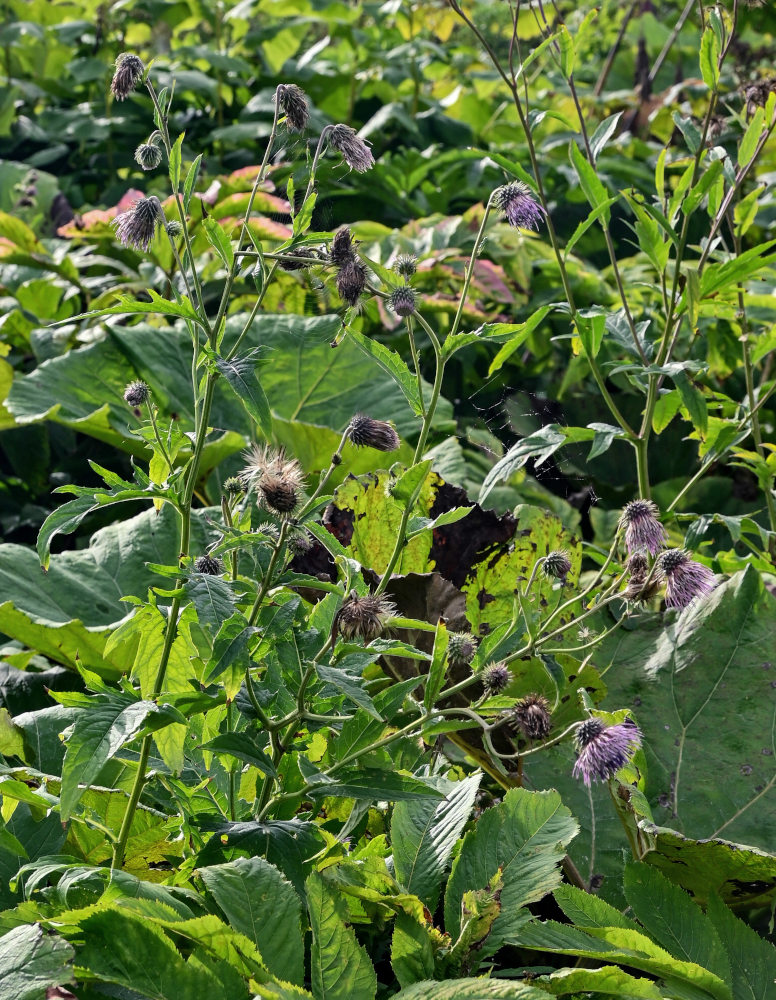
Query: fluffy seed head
pixel 351 281
pixel 406 264
pixel 129 70
pixel 641 526
pixel 603 750
pixel 461 647
pixel 342 250
pixel 148 155
pixel 495 678
pixel 518 206
pixel 137 393
pixel 355 152
pixel 531 717
pixel 686 579
pixel 276 479
pixel 292 101
pixel 136 227
pixel 403 300
pixel 557 564
pixel 362 618
pixel 365 432
pixel 208 565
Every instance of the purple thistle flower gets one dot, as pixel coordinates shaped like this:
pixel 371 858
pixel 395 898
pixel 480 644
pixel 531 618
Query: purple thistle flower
pixel 685 579
pixel 603 750
pixel 351 281
pixel 642 528
pixel 403 300
pixel 518 206
pixel 365 432
pixel 129 70
pixel 355 152
pixel 495 678
pixel 136 227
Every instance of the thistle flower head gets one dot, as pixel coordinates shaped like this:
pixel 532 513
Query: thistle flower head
pixel 557 564
pixel 136 227
pixel 148 155
pixel 293 103
pixel 686 579
pixel 461 647
pixel 303 253
pixel 365 432
pixel 602 750
pixel 351 281
pixel 641 526
pixel 495 678
pixel 208 565
pixel 406 264
pixel 233 486
pixel 299 541
pixel 363 618
pixel 137 393
pixel 403 300
pixel 531 717
pixel 639 590
pixel 518 206
pixel 277 480
pixel 129 70
pixel 173 228
pixel 342 249
pixel 355 152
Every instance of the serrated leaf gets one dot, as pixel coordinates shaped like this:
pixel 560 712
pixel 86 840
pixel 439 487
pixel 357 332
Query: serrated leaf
pixel 351 687
pixel 175 162
pixel 603 134
pixel 63 520
pixel 412 950
pixel 752 958
pixel 31 961
pixel 471 989
pixel 438 667
pixel 243 747
pixel 709 58
pixel 393 365
pixel 213 599
pixel 191 182
pixel 219 241
pixel 340 967
pixel 608 980
pixel 592 186
pixel 371 784
pixel 240 373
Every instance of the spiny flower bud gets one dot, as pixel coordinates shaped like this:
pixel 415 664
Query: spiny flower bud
pixel 293 102
pixel 362 618
pixel 406 264
pixel 495 678
pixel 355 152
pixel 686 579
pixel 603 750
pixel 531 717
pixel 137 393
pixel 641 526
pixel 557 564
pixel 299 541
pixel 368 433
pixel 518 206
pixel 129 70
pixel 461 647
pixel 277 480
pixel 148 155
pixel 403 300
pixel 208 565
pixel 233 486
pixel 342 250
pixel 297 265
pixel 638 590
pixel 351 281
pixel 173 229
pixel 136 227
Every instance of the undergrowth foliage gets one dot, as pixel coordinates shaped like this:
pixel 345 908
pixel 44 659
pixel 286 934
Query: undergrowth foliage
pixel 341 730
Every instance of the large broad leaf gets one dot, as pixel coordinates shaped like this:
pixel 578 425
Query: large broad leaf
pixel 424 833
pixel 523 838
pixel 701 687
pixel 340 967
pixel 259 902
pixel 31 961
pixel 752 958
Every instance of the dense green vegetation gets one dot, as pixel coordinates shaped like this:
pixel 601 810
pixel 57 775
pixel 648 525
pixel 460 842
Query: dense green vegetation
pixel 388 500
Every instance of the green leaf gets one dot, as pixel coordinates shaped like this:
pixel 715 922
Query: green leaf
pixel 408 486
pixel 566 46
pixel 260 903
pixel 524 839
pixel 303 217
pixel 693 401
pixel 603 134
pixel 591 332
pixel 240 373
pixel 371 784
pixel 212 598
pixel 128 306
pixel 352 687
pixel 31 962
pixel 751 137
pixel 175 162
pixel 62 520
pixel 392 364
pixel 517 334
pixel 752 958
pixel 243 747
pixel 424 834
pixel 709 59
pixel 471 989
pixel 340 967
pixel 666 408
pixel 608 980
pixel 586 910
pixel 438 667
pixel 191 182
pixel 412 950
pixel 592 186
pixel 219 241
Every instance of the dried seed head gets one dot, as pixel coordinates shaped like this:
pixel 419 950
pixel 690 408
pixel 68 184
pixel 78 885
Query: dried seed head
pixel 406 264
pixel 301 252
pixel 461 647
pixel 638 590
pixel 641 526
pixel 293 103
pixel 355 152
pixel 403 300
pixel 686 579
pixel 277 480
pixel 342 249
pixel 557 564
pixel 363 618
pixel 351 281
pixel 603 750
pixel 365 432
pixel 208 565
pixel 129 70
pixel 137 393
pixel 233 486
pixel 148 155
pixel 495 678
pixel 531 717
pixel 757 93
pixel 518 206
pixel 136 227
